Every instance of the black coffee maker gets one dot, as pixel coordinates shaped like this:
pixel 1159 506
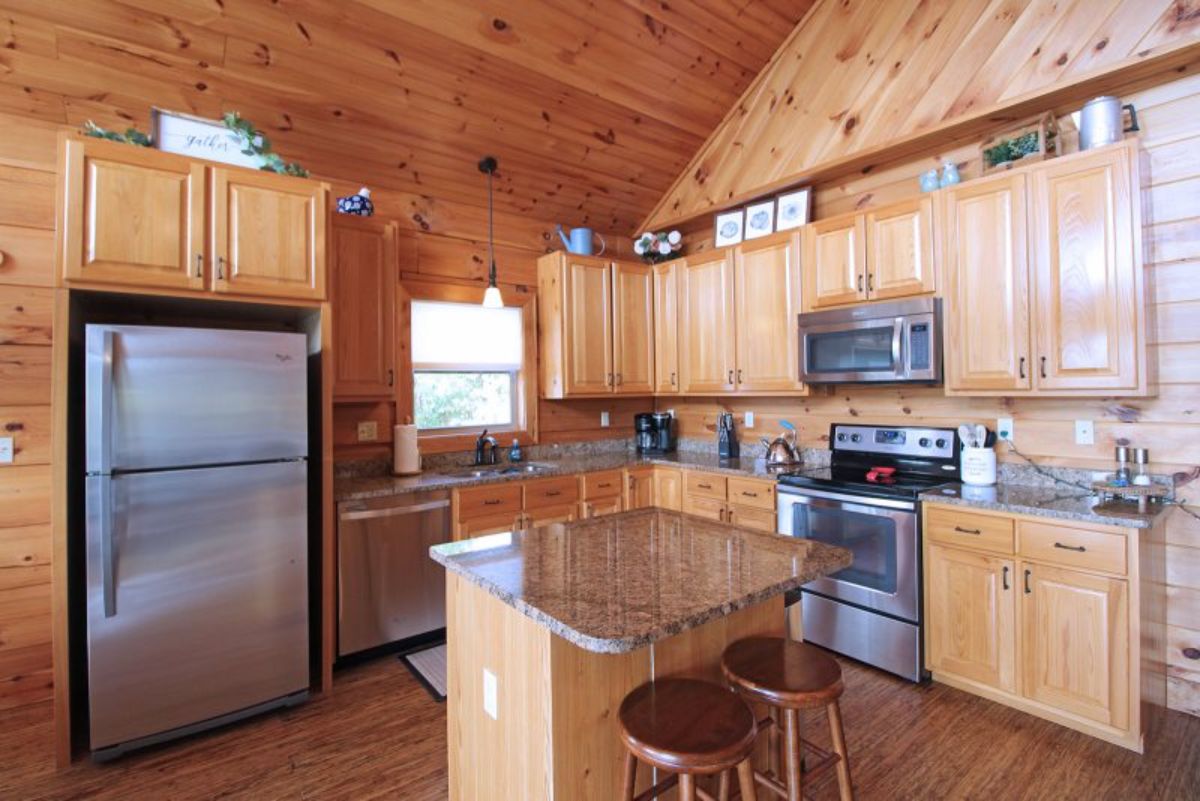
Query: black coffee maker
pixel 653 432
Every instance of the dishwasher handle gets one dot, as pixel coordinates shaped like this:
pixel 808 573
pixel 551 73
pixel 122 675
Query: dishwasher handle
pixel 363 513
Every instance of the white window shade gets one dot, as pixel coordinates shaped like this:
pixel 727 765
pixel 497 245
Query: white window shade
pixel 465 335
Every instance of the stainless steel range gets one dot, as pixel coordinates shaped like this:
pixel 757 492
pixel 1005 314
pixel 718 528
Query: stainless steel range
pixel 866 501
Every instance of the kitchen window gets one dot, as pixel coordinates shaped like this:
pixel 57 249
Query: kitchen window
pixel 466 366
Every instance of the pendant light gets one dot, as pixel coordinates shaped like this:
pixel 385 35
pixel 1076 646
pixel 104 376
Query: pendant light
pixel 491 297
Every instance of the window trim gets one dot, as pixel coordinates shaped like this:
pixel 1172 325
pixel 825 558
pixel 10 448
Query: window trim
pixel 450 440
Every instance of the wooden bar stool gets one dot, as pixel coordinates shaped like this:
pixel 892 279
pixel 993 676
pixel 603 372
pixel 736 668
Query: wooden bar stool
pixel 690 728
pixel 789 676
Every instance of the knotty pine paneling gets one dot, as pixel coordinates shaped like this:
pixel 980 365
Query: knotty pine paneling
pixel 1168 423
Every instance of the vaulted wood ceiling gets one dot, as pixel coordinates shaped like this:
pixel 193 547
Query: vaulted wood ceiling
pixel 593 108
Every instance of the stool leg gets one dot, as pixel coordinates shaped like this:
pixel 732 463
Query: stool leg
pixel 687 787
pixel 791 719
pixel 630 776
pixel 839 747
pixel 723 786
pixel 775 758
pixel 745 771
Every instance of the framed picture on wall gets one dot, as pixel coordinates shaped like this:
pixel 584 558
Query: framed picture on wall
pixel 197 137
pixel 727 228
pixel 793 209
pixel 760 219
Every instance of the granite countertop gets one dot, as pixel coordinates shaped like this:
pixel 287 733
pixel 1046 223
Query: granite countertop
pixel 351 489
pixel 617 583
pixel 1062 503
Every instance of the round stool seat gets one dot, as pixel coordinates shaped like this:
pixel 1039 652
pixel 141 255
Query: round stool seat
pixel 782 672
pixel 687 725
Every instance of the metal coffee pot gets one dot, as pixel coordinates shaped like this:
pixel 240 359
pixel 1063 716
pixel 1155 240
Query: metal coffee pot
pixel 1100 122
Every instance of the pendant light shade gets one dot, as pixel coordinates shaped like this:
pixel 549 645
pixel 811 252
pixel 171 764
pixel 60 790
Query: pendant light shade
pixel 491 297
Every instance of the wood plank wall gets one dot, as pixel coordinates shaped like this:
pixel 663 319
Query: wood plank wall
pixel 1168 424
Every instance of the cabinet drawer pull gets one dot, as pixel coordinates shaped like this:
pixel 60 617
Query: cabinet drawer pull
pixel 391 377
pixel 220 268
pixel 492 502
pixel 605 485
pixel 962 530
pixel 199 265
pixel 750 494
pixel 739 375
pixel 1027 574
pixel 1021 367
pixel 1043 367
pixel 704 486
pixel 672 379
pixel 1004 576
pixel 1078 548
pixel 553 493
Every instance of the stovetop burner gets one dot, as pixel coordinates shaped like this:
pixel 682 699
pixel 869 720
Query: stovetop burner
pixel 897 485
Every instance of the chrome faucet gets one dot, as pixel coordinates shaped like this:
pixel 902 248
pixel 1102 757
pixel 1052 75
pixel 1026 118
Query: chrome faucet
pixel 482 457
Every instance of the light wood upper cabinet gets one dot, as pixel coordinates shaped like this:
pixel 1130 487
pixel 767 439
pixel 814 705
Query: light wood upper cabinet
pixel 971 621
pixel 707 345
pixel 766 301
pixel 633 328
pixel 588 342
pixel 363 277
pixel 1075 629
pixel 666 328
pixel 987 285
pixel 1089 301
pixel 268 234
pixel 835 261
pixel 900 249
pixel 132 216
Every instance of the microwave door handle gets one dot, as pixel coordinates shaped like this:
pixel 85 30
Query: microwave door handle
pixel 899 332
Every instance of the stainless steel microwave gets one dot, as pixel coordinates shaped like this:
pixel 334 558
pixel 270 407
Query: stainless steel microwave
pixel 874 342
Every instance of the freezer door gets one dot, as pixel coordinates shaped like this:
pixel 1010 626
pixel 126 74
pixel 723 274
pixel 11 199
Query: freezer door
pixel 197 595
pixel 172 397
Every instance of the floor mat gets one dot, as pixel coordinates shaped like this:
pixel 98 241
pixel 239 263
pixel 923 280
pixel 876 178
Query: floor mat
pixel 429 666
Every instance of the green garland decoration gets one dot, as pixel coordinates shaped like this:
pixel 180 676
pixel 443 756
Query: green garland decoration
pixel 255 143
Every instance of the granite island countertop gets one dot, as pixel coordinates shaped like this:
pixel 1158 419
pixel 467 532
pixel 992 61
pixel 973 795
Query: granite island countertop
pixel 361 488
pixel 1060 503
pixel 617 583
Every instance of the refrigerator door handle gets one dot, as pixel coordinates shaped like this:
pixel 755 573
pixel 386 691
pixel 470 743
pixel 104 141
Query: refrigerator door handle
pixel 108 554
pixel 100 402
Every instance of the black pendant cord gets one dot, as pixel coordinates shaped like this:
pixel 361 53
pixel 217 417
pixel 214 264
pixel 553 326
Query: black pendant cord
pixel 488 165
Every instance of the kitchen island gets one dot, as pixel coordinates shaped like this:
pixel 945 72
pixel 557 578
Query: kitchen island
pixel 549 628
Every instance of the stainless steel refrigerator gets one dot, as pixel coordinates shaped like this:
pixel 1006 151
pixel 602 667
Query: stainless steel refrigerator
pixel 196 529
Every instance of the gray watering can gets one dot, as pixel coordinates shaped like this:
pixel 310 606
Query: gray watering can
pixel 579 241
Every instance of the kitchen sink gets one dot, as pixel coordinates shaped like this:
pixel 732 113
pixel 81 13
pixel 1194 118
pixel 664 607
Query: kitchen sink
pixel 481 471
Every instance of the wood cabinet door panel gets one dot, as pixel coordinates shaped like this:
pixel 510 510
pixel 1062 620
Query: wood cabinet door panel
pixel 971 616
pixel 668 488
pixel 363 278
pixel 750 517
pixel 548 515
pixel 639 488
pixel 834 262
pixel 268 235
pixel 491 524
pixel 766 301
pixel 666 328
pixel 132 217
pixel 987 286
pixel 707 346
pixel 1088 294
pixel 633 328
pixel 588 339
pixel 900 248
pixel 1075 642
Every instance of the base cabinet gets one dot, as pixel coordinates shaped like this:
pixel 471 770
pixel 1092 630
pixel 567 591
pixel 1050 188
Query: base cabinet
pixel 1066 625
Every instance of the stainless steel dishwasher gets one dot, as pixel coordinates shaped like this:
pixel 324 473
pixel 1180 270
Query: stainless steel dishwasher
pixel 388 587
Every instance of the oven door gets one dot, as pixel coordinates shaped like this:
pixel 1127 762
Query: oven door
pixel 882 535
pixel 853 351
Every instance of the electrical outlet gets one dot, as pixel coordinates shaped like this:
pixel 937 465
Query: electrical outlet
pixel 749 419
pixel 1085 432
pixel 6 450
pixel 368 431
pixel 1004 429
pixel 491 693
pixel 604 419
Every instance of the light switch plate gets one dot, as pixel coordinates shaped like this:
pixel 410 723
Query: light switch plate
pixel 490 695
pixel 368 431
pixel 604 419
pixel 1004 429
pixel 749 420
pixel 1085 432
pixel 6 450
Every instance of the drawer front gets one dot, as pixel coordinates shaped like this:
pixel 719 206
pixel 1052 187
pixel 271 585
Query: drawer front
pixel 750 516
pixel 706 485
pixel 985 533
pixel 489 501
pixel 602 485
pixel 1087 549
pixel 551 492
pixel 704 507
pixel 748 492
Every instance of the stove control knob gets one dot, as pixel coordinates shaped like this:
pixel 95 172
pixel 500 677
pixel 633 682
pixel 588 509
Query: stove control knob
pixel 855 437
pixel 924 442
pixel 941 443
pixel 841 437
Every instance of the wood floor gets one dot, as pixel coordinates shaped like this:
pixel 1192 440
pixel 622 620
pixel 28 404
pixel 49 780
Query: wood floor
pixel 381 736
